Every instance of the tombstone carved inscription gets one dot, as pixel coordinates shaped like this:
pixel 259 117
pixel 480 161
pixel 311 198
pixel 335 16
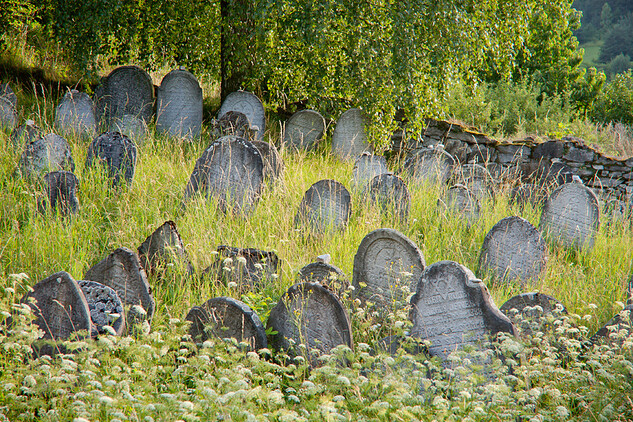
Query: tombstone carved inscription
pixel 61 193
pixel 105 306
pixel 248 267
pixel 225 317
pixel 571 216
pixel 273 165
pixel 231 171
pixel 461 200
pixel 24 134
pixel 386 267
pixel 117 152
pixel 8 114
pixel 429 165
pixel 309 314
pixel 513 250
pixel 349 139
pixel 367 167
pixel 326 274
pixel 251 106
pixel 131 127
pixel 50 153
pixel 7 92
pixel 304 129
pixel 75 115
pixel 162 247
pixel 452 308
pixel 325 206
pixel 617 330
pixel 391 194
pixel 528 309
pixel 179 105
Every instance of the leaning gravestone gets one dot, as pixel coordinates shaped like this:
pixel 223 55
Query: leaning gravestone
pixel 391 194
pixel 162 247
pixel 367 167
pixel 433 166
pixel 617 330
pixel 122 271
pixel 325 274
pixel 386 267
pixel 461 200
pixel 225 317
pixel 513 250
pixel 75 115
pixel 117 152
pixel 571 216
pixel 105 306
pixel 8 114
pixel 349 139
pixel 131 127
pixel 61 192
pixel 452 308
pixel 311 315
pixel 24 134
pixel 251 106
pixel 7 92
pixel 50 153
pixel 325 206
pixel 528 309
pixel 247 267
pixel 304 129
pixel 273 165
pixel 179 105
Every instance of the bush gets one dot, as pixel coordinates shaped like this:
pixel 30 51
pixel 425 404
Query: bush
pixel 615 102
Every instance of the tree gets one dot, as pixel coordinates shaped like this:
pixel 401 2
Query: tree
pixel 615 102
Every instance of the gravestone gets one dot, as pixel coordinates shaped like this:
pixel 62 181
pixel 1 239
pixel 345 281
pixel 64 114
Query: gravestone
pixel 367 167
pixel 527 310
pixel 326 206
pixel 61 192
pixel 452 308
pixel 304 129
pixel 309 314
pixel 349 139
pixel 461 200
pixel 7 92
pixel 386 267
pixel 571 216
pixel 273 165
pixel 527 194
pixel 251 106
pixel 122 271
pixel 513 250
pixel 75 115
pixel 179 105
pixel 117 152
pixel 50 153
pixel 433 166
pixel 225 317
pixel 476 178
pixel 131 127
pixel 231 171
pixel 24 134
pixel 162 247
pixel 325 274
pixel 391 194
pixel 233 123
pixel 8 114
pixel 105 306
pixel 258 267
pixel 126 90
pixel 617 330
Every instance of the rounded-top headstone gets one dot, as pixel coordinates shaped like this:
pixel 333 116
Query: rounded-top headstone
pixel 325 206
pixel 526 309
pixel 61 192
pixel 231 171
pixel 75 114
pixel 118 153
pixel 367 167
pixel 24 134
pixel 162 247
pixel 391 194
pixel 432 166
pixel 105 306
pixel 8 114
pixel 513 249
pixel 251 106
pixel 309 314
pixel 50 153
pixel 304 129
pixel 7 92
pixel 386 267
pixel 273 165
pixel 349 139
pixel 225 317
pixel 461 200
pixel 571 216
pixel 452 308
pixel 179 105
pixel 326 274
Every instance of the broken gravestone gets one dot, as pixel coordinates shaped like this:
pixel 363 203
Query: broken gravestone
pixel 24 134
pixel 433 166
pixel 75 115
pixel 391 194
pixel 247 267
pixel 349 139
pixel 251 106
pixel 527 311
pixel 273 166
pixel 325 274
pixel 179 105
pixel 50 153
pixel 459 199
pixel 105 306
pixel 61 193
pixel 304 129
pixel 367 167
pixel 325 206
pixel 117 152
pixel 163 247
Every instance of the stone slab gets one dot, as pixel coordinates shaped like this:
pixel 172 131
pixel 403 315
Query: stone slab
pixel 162 247
pixel 26 133
pixel 251 106
pixel 349 139
pixel 233 123
pixel 326 206
pixel 259 267
pixel 75 115
pixel 273 164
pixel 391 194
pixel 117 152
pixel 528 309
pixel 476 178
pixel 304 129
pixel 61 193
pixel 616 330
pixel 105 306
pixel 179 105
pixel 50 153
pixel 327 275
pixel 432 166
pixel 459 199
pixel 366 167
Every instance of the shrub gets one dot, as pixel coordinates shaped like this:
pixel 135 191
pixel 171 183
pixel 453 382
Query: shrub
pixel 615 102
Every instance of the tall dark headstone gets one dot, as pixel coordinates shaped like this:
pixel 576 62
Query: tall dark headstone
pixel 431 166
pixel 349 139
pixel 325 206
pixel 162 247
pixel 251 106
pixel 117 152
pixel 391 194
pixel 105 306
pixel 179 105
pixel 304 129
pixel 61 192
pixel 75 115
pixel 50 153
pixel 233 123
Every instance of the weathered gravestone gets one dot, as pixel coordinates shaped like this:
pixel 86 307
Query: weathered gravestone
pixel 247 267
pixel 75 115
pixel 311 315
pixel 7 92
pixel 513 249
pixel 232 123
pixel 24 134
pixel 225 317
pixel 122 271
pixel 117 152
pixel 231 171
pixel 476 178
pixel 433 166
pixel 452 308
pixel 251 106
pixel 105 306
pixel 273 165
pixel 386 267
pixel 571 216
pixel 527 194
pixel 391 194
pixel 50 153
pixel 461 200
pixel 527 310
pixel 349 139
pixel 367 167
pixel 304 129
pixel 131 127
pixel 126 90
pixel 179 105
pixel 164 246
pixel 325 274
pixel 617 330
pixel 8 114
pixel 326 206
pixel 61 193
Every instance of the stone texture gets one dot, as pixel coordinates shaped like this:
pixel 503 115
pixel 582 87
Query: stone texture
pixel 179 105
pixel 50 153
pixel 616 330
pixel 7 92
pixel 61 193
pixel 233 123
pixel 131 127
pixel 366 167
pixel 75 115
pixel 248 267
pixel 117 152
pixel 105 306
pixel 476 178
pixel 273 165
pixel 304 129
pixel 251 106
pixel 461 200
pixel 163 247
pixel 325 274
pixel 349 139
pixel 325 206
pixel 391 194
pixel 24 134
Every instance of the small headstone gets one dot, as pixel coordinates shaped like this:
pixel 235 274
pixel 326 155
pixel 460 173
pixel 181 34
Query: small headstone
pixel 231 171
pixel 233 123
pixel 117 152
pixel 431 166
pixel 273 165
pixel 391 194
pixel 224 317
pixel 476 178
pixel 309 314
pixel 75 115
pixel 349 139
pixel 325 274
pixel 24 134
pixel 571 216
pixel 105 306
pixel 7 92
pixel 162 247
pixel 452 308
pixel 179 105
pixel 528 309
pixel 460 200
pixel 8 114
pixel 61 192
pixel 122 271
pixel 50 153
pixel 130 126
pixel 326 206
pixel 513 249
pixel 387 267
pixel 527 194
pixel 251 106
pixel 367 167
pixel 304 129
pixel 617 330
pixel 248 267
